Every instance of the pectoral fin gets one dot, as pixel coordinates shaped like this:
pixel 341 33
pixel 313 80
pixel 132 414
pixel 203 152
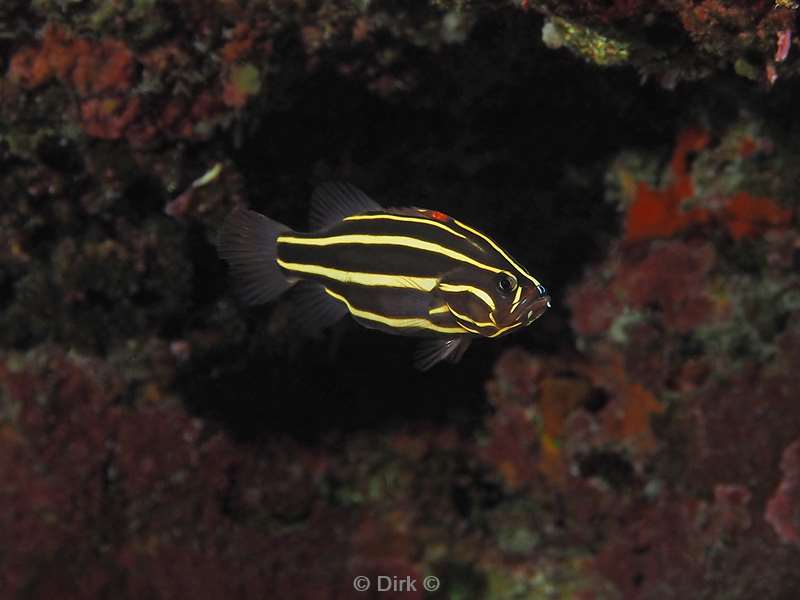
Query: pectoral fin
pixel 432 352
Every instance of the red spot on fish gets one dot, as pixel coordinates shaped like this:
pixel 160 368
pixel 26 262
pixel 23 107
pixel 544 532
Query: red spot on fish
pixel 439 216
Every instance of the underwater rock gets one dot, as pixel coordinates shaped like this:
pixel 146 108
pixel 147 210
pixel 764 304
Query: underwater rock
pixel 676 40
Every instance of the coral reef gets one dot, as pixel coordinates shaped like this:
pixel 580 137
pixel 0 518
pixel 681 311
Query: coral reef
pixel 679 315
pixel 672 440
pixel 675 40
pixel 783 506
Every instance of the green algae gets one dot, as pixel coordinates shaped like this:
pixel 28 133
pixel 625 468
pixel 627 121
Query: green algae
pixel 618 332
pixel 759 310
pixel 549 581
pixel 746 69
pixel 587 43
pixel 247 79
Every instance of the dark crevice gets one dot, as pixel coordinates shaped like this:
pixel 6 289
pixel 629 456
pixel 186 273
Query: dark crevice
pixel 611 467
pixel 498 131
pixel 597 400
pixel 208 272
pixel 60 154
pixel 144 196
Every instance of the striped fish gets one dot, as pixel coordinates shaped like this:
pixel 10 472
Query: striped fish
pixel 405 271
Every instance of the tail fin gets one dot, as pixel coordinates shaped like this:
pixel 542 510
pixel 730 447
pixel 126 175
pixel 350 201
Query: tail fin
pixel 248 242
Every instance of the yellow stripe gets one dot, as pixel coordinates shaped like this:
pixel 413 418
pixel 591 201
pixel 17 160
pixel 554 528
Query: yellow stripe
pixel 425 284
pixel 449 287
pixel 399 323
pixel 504 329
pixel 470 330
pixel 516 299
pixel 470 319
pixel 439 309
pixel 498 248
pixel 407 219
pixel 387 240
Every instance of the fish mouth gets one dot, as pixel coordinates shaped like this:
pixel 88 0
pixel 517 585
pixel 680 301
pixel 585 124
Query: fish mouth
pixel 530 309
pixel 537 308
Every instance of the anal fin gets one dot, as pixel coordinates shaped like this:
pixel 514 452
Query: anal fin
pixel 313 309
pixel 435 351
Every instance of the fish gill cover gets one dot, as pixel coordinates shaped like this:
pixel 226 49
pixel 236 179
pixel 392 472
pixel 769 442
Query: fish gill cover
pixel 159 440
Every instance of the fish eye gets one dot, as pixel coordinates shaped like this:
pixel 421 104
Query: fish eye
pixel 506 283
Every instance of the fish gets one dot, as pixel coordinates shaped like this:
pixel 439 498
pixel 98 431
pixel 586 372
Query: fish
pixel 404 271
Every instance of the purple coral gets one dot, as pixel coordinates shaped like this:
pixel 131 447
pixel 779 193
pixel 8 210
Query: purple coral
pixel 783 509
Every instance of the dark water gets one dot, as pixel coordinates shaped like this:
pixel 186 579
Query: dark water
pixel 505 135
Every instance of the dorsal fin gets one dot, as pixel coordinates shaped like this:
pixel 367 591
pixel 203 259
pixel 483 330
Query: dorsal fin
pixel 411 211
pixel 333 201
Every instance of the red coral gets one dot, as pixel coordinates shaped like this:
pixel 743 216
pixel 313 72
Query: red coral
pixel 101 73
pixel 538 434
pixel 154 491
pixel 699 17
pixel 747 147
pixel 654 550
pixel 672 277
pixel 594 307
pixel 783 509
pixel 739 427
pixel 242 40
pixel 512 446
pixel 234 96
pixel 658 212
pixel 109 118
pixel 513 439
pixel 730 511
pixel 104 67
pixel 54 456
pixel 516 376
pixel 55 57
pixel 626 418
pixel 748 216
pixel 558 399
